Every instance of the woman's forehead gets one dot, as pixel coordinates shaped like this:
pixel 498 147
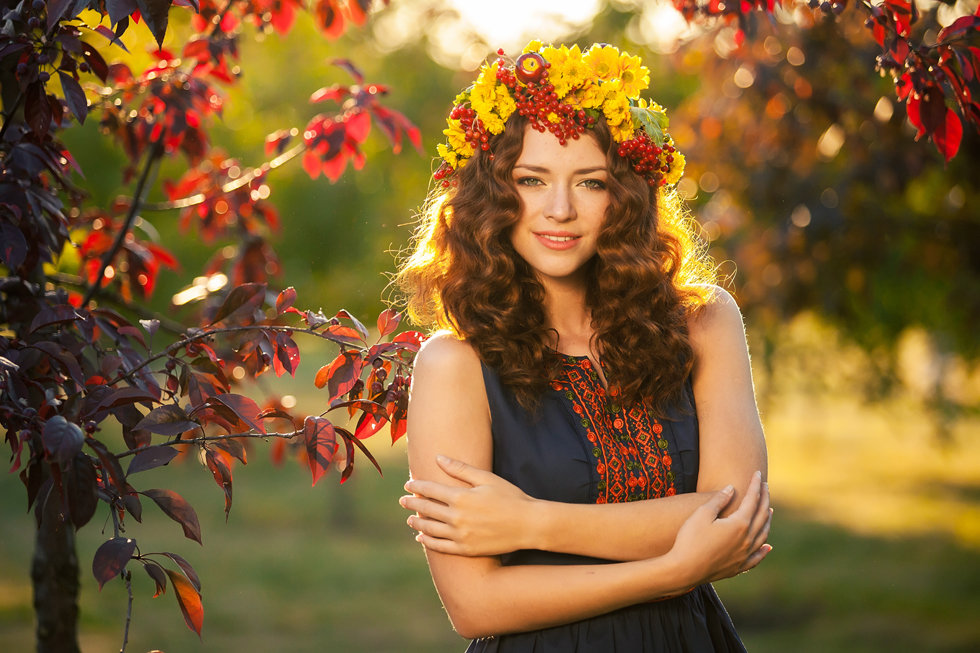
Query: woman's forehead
pixel 543 150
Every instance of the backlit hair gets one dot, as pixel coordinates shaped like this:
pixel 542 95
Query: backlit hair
pixel 648 275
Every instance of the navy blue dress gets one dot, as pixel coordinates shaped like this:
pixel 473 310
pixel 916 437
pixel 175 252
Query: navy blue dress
pixel 582 447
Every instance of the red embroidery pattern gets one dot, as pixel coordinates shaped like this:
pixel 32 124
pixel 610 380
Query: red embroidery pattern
pixel 631 455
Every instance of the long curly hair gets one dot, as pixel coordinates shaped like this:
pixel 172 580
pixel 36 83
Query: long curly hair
pixel 647 277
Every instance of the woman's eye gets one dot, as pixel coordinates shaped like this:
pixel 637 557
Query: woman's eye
pixel 528 181
pixel 594 184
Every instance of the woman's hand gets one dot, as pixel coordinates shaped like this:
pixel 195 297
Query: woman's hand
pixel 714 547
pixel 489 517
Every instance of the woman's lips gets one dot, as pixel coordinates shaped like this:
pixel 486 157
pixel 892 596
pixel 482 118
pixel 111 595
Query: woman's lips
pixel 556 240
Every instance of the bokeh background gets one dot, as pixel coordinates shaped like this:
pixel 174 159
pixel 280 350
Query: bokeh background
pixel 853 250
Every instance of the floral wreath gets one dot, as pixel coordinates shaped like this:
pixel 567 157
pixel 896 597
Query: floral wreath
pixel 565 91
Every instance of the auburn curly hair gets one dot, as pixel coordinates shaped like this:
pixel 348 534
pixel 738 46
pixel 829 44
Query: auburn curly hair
pixel 647 277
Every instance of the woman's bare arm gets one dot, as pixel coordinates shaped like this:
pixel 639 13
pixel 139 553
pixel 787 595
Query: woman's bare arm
pixel 448 415
pixel 484 515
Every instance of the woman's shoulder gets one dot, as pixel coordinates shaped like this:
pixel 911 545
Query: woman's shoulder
pixel 448 356
pixel 717 316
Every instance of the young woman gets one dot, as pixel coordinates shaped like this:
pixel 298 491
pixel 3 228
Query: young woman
pixel 585 448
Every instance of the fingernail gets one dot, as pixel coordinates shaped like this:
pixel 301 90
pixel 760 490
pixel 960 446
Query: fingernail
pixel 408 486
pixel 442 459
pixel 402 501
pixel 728 489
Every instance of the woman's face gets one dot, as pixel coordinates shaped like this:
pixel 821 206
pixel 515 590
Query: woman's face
pixel 563 204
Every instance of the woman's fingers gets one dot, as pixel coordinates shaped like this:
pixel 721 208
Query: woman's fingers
pixel 459 470
pixel 426 508
pixel 718 501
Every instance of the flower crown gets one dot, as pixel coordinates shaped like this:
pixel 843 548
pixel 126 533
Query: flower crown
pixel 565 91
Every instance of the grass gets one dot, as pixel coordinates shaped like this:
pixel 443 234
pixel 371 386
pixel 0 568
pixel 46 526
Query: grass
pixel 876 536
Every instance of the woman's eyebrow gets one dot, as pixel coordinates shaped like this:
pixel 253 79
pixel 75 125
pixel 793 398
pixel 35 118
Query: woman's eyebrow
pixel 581 171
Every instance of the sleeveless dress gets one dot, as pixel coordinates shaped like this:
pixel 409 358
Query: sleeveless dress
pixel 582 447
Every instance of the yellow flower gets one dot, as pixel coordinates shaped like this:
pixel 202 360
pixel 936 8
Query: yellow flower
pixel 455 135
pixel 590 96
pixel 533 46
pixel 448 155
pixel 676 169
pixel 491 100
pixel 603 61
pixel 635 76
pixel 623 131
pixel 616 106
pixel 566 70
pixel 552 117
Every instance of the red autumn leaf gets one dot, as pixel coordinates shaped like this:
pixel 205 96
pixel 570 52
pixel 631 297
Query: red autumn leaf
pixel 285 300
pixel 177 508
pixel 111 558
pixel 287 355
pixel 110 466
pixel 321 445
pixel 189 600
pixel 349 437
pixel 358 126
pixel 948 136
pixel 247 410
pixel 335 93
pixel 369 424
pixel 219 462
pixel 343 373
pixel 410 340
pixel 388 321
pixel 348 460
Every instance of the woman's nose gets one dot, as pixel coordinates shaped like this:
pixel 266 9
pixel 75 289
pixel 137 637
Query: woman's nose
pixel 561 206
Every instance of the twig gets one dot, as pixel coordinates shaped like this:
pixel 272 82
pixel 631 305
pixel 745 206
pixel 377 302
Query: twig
pixel 154 155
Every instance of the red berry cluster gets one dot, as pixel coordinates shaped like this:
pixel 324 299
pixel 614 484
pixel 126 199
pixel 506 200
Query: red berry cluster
pixel 536 99
pixel 647 158
pixel 475 133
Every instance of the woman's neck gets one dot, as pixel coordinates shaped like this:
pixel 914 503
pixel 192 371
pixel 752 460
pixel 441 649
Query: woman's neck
pixel 569 315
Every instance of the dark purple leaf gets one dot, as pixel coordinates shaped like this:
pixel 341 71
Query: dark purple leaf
pixel 177 508
pixel 74 96
pixel 241 303
pixel 156 14
pixel 321 445
pixel 168 419
pixel 151 458
pixel 80 488
pixel 111 558
pixel 186 568
pixel 62 439
pixel 158 575
pixel 13 245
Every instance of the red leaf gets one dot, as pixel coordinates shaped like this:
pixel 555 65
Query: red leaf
pixel 169 420
pixel 351 69
pixel 285 300
pixel 322 376
pixel 321 445
pixel 189 600
pixel 220 465
pixel 360 445
pixel 948 136
pixel 344 335
pixel 111 558
pixel 177 508
pixel 246 409
pixel 369 424
pixel 410 340
pixel 287 355
pixel 388 321
pixel 335 93
pixel 110 466
pixel 358 126
pixel 344 372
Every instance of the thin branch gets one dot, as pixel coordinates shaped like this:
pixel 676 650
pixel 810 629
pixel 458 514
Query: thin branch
pixel 214 438
pixel 128 576
pixel 154 155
